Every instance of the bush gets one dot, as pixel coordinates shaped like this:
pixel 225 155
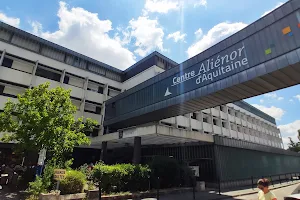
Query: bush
pixel 73 182
pixel 121 177
pixel 36 187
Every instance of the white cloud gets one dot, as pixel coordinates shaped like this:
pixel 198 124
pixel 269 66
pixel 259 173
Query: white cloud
pixel 37 28
pixel 273 95
pixel 200 3
pixel 148 35
pixel 161 6
pixel 273 111
pixel 199 33
pixel 177 36
pixel 82 31
pixel 10 20
pixel 165 6
pixel 261 101
pixel 277 5
pixel 213 36
pixel 291 100
pixel 289 130
pixel 297 97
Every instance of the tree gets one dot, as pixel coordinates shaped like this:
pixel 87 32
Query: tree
pixel 43 118
pixel 294 146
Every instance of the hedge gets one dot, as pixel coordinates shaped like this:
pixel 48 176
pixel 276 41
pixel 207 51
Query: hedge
pixel 121 177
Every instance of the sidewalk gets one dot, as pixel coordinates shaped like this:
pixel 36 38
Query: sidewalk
pixel 255 190
pixel 213 194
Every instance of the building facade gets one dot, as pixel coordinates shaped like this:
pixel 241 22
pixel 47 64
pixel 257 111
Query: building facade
pixel 27 61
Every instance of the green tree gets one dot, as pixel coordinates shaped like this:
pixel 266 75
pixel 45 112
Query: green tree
pixel 294 146
pixel 43 118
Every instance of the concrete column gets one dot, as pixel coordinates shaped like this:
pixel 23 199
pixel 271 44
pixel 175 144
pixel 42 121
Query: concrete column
pixel 190 121
pixel 137 150
pixel 85 85
pixel 2 57
pixel 227 108
pixel 33 74
pixel 201 120
pixel 105 93
pixel 62 77
pixel 103 156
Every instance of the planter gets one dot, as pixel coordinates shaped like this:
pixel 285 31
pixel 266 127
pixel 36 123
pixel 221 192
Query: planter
pixel 78 196
pixel 53 196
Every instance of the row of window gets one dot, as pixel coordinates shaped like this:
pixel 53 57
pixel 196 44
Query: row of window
pixel 70 79
pixel 59 55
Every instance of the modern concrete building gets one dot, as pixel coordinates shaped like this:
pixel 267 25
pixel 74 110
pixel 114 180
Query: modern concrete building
pixel 201 138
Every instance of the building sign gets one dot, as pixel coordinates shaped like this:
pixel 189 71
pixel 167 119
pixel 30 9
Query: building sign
pixel 196 170
pixel 59 174
pixel 207 71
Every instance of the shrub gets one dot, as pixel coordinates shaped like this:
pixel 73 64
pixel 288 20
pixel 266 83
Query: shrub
pixel 36 187
pixel 73 182
pixel 121 177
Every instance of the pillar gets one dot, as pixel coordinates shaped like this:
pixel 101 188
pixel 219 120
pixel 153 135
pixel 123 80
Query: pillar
pixel 62 78
pixel 103 156
pixel 105 93
pixel 137 150
pixel 85 86
pixel 33 74
pixel 2 57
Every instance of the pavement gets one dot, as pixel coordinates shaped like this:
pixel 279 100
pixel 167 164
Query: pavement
pixel 280 191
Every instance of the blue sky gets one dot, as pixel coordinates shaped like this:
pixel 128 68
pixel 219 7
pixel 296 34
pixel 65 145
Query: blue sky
pixel 121 32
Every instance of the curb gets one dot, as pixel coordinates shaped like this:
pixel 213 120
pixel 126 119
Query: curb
pixel 254 192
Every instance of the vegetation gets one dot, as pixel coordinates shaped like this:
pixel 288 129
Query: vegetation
pixel 73 183
pixel 121 177
pixel 293 146
pixel 43 118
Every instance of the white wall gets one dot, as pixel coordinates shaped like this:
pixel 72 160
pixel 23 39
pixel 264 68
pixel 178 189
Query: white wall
pixel 141 77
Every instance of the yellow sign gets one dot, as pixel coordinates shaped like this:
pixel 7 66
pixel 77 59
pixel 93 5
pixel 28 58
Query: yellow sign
pixel 59 174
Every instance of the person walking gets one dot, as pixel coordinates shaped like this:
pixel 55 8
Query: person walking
pixel 264 192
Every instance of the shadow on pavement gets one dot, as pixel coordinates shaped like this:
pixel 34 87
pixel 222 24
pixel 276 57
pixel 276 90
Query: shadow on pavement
pixel 6 194
pixel 189 196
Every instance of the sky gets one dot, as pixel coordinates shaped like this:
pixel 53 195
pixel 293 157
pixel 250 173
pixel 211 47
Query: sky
pixel 121 32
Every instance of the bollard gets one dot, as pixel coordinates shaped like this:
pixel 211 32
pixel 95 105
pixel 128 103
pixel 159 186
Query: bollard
pixel 252 182
pixel 194 187
pixel 219 186
pixel 158 185
pixel 271 181
pixel 279 179
pixel 194 193
pixel 286 179
pixel 99 189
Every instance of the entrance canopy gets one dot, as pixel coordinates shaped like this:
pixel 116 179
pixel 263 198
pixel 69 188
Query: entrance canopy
pixel 150 135
pixel 263 57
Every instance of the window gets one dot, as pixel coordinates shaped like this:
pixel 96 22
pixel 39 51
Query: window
pixel 98 110
pixel 194 116
pixel 100 90
pixel 66 79
pixel 1 89
pixel 48 74
pixel 205 119
pixel 215 121
pixel 7 62
pixel 95 132
pixel 224 124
